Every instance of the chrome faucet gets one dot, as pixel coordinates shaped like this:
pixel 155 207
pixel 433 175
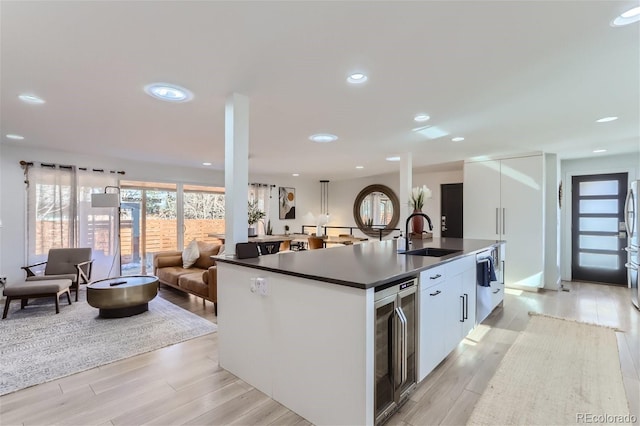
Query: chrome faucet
pixel 406 227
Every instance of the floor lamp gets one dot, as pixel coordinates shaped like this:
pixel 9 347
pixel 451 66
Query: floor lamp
pixel 110 199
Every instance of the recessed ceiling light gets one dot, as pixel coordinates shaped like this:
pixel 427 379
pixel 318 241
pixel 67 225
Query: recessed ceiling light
pixel 357 78
pixel 598 151
pixel 628 17
pixel 323 137
pixel 31 99
pixel 457 139
pixel 359 167
pixel 168 92
pixel 206 164
pixel 392 158
pixel 606 119
pixel 15 137
pixel 295 174
pixel 421 118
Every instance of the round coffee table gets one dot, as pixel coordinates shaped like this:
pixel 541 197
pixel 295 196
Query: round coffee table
pixel 122 296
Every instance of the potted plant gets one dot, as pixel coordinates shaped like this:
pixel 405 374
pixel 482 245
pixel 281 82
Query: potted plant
pixel 269 230
pixel 418 196
pixel 254 215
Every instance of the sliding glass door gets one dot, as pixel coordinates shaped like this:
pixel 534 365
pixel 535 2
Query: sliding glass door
pixel 165 216
pixel 148 224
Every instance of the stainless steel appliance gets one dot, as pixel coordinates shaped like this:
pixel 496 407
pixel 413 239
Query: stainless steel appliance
pixel 632 223
pixel 488 297
pixel 395 346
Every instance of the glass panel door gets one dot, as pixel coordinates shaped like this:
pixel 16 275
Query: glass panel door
pixel 148 225
pixel 203 208
pixel 598 234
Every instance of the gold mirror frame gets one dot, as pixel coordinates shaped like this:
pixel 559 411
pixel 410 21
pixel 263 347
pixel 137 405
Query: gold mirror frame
pixel 393 223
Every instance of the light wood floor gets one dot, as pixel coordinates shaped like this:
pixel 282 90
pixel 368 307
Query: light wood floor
pixel 182 384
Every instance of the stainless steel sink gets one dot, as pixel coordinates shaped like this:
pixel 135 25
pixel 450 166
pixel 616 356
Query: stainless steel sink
pixel 432 252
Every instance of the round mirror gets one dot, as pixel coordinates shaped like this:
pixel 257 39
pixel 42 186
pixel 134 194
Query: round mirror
pixel 376 207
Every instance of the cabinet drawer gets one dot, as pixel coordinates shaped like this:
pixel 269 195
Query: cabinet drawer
pixel 432 276
pixel 497 294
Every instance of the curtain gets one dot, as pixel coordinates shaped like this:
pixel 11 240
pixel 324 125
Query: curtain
pixel 59 215
pixel 262 193
pixel 98 227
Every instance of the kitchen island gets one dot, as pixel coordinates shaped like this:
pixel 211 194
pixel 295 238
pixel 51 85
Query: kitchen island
pixel 300 326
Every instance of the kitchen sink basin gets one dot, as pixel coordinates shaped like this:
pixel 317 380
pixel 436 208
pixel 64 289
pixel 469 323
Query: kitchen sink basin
pixel 432 252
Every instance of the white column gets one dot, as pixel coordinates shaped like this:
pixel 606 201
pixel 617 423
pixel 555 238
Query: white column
pixel 236 170
pixel 406 182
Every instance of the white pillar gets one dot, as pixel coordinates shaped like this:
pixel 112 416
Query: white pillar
pixel 406 182
pixel 236 170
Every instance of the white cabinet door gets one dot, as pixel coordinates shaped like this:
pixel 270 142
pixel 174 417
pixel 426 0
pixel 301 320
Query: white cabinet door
pixel 453 315
pixel 522 219
pixel 481 198
pixel 469 294
pixel 503 199
pixel 431 334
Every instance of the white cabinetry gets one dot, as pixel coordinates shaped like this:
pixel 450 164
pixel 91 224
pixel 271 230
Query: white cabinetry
pixel 447 310
pixel 504 200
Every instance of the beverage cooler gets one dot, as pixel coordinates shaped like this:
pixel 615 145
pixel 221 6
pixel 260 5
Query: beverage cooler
pixel 395 346
pixel 632 223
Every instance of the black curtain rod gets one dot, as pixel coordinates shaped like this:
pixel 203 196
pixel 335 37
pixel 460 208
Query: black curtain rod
pixel 66 167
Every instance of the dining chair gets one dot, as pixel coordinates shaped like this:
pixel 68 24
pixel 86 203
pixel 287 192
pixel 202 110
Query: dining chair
pixel 285 245
pixel 316 243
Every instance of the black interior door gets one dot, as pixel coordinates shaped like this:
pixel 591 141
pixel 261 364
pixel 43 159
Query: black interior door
pixel 451 210
pixel 597 228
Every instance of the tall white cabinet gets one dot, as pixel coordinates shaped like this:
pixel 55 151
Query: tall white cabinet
pixel 504 200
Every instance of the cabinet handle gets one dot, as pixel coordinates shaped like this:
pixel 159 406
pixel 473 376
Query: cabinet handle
pixel 462 300
pixel 435 294
pixel 497 291
pixel 497 226
pixel 504 221
pixel 435 277
pixel 465 314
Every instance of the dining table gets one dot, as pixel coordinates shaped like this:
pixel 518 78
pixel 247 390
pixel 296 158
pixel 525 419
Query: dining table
pixel 299 239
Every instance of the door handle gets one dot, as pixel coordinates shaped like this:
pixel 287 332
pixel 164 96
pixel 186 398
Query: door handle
pixel 462 300
pixel 401 348
pixel 629 215
pixel 497 226
pixel 397 355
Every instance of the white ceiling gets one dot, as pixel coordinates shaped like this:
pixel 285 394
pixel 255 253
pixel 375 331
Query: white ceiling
pixel 509 76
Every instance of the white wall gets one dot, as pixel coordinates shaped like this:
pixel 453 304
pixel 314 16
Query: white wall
pixel 342 194
pixel 433 181
pixel 587 166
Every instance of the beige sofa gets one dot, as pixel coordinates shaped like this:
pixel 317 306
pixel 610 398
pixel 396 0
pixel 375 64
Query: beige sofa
pixel 199 280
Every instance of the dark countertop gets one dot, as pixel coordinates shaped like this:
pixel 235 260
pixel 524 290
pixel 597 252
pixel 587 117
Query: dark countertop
pixel 366 265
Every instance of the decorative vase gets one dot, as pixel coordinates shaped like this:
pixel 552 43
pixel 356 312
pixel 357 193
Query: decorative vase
pixel 417 224
pixel 252 232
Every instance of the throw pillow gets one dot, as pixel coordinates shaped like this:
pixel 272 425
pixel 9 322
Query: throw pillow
pixel 190 254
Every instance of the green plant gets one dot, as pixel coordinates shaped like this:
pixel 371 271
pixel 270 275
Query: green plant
pixel 254 213
pixel 269 229
pixel 418 195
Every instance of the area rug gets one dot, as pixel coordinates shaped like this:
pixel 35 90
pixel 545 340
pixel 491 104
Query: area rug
pixel 38 346
pixel 557 372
